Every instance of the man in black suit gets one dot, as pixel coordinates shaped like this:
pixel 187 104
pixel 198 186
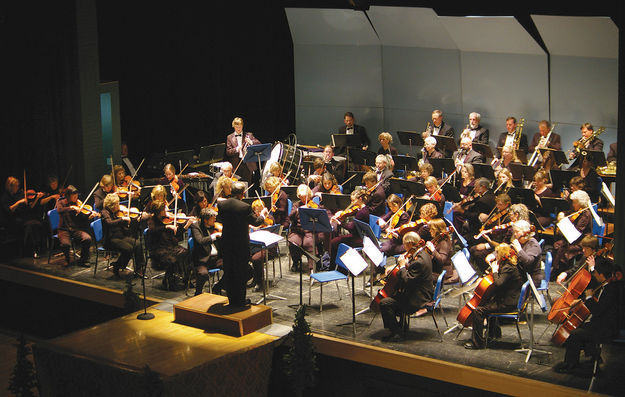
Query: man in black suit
pixel 236 144
pixel 590 144
pixel 466 154
pixel 236 216
pixel 416 287
pixel 507 138
pixel 438 126
pixel 354 129
pixel 477 133
pixel 479 207
pixel 383 173
pixel 603 324
pixel 333 166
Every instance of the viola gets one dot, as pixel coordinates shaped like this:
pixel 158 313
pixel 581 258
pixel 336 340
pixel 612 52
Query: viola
pixel 132 212
pixel 494 229
pixel 84 209
pixel 180 219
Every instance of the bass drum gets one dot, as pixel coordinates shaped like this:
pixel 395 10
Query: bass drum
pixel 289 157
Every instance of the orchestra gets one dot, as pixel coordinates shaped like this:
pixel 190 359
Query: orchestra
pixel 508 225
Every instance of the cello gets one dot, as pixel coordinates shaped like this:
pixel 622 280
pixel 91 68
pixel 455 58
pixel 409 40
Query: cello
pixel 392 279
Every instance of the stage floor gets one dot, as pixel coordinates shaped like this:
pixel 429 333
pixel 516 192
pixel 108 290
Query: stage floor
pixel 422 338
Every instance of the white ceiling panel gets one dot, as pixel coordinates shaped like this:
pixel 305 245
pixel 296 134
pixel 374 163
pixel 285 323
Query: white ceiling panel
pixel 594 37
pixel 490 34
pixel 330 27
pixel 410 27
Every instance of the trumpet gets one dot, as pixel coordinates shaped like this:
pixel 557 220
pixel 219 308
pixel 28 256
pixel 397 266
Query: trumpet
pixel 466 132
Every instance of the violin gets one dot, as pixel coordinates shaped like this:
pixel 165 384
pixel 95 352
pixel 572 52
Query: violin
pixel 32 194
pixel 495 218
pixel 132 212
pixel 352 209
pixel 128 186
pixel 179 218
pixel 85 209
pixel 494 229
pixel 405 228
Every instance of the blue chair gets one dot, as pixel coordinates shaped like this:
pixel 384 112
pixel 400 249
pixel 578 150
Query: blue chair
pixel 316 200
pixel 433 305
pixel 53 222
pixel 449 216
pixel 544 283
pixel 96 227
pixel 211 272
pixel 373 222
pixel 515 315
pixel 597 230
pixel 332 275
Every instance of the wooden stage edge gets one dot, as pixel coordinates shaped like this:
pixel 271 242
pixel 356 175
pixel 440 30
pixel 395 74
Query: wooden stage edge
pixel 65 286
pixel 438 369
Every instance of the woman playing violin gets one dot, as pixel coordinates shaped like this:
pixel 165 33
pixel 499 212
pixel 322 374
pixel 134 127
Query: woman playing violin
pixel 433 192
pixel 74 225
pixel 603 325
pixel 442 251
pixel 359 211
pixel 201 202
pixel 206 233
pixel 500 216
pixel 118 235
pixel 298 237
pixel 541 189
pixel 506 289
pixel 376 196
pixel 258 254
pixel 125 184
pixel 328 185
pixel 279 202
pixel 415 286
pixel 504 181
pixel 176 185
pixel 275 169
pixel 466 188
pixel 394 219
pixel 580 216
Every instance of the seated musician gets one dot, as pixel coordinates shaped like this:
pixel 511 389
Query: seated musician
pixel 519 212
pixel 438 126
pixel 508 138
pixel 541 189
pixel 333 166
pixel 52 194
pixel 476 208
pixel 225 170
pixel 465 154
pixel 74 225
pixel 106 186
pixel 376 195
pixel 318 170
pixel 415 287
pixel 383 172
pixel 576 183
pixel 434 192
pixel 504 181
pixel 298 237
pixel 603 325
pixel 205 253
pixel 275 169
pixel 497 221
pixel 359 210
pixel 580 216
pixel 158 193
pixel 429 150
pixel 528 250
pixel 586 142
pixel 223 188
pixel 201 202
pixel 123 181
pixel 23 216
pixel 279 202
pixel 539 140
pixel 257 254
pixel 466 189
pixel 504 297
pixel 176 185
pixel 118 235
pixel 163 246
pixel 442 252
pixel 393 220
pixel 508 156
pixel 425 170
pixel 328 185
pixel 590 246
pixel 386 148
pixel 591 179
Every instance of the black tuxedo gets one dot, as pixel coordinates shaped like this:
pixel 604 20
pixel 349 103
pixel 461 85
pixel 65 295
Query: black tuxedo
pixel 481 134
pixel 472 157
pixel 232 155
pixel 360 131
pixel 236 216
pixel 445 129
pixel 502 141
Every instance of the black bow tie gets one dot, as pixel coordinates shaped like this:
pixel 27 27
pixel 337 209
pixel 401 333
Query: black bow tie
pixel 238 134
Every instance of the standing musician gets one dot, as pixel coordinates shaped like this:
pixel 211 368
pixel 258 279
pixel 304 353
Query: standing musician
pixel 500 216
pixel 23 216
pixel 106 186
pixel 235 215
pixel 205 253
pixel 541 189
pixel 297 235
pixel 354 129
pixel 118 235
pixel 383 173
pixel 386 148
pixel 508 138
pixel 587 141
pixel 415 289
pixel 429 150
pixel 359 211
pixel 581 218
pixel 475 131
pixel 504 297
pixel 236 144
pixel 603 306
pixel 393 219
pixel 163 247
pixel 442 252
pixel 279 202
pixel 334 167
pixel 73 224
pixel 176 185
pixel 328 185
pixel 466 154
pixel 528 250
pixel 542 139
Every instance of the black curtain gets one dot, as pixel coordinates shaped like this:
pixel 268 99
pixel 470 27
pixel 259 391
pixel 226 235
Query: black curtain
pixel 185 71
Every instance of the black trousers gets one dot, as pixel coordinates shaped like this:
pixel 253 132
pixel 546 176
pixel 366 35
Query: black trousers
pixel 480 313
pixel 581 338
pixel 236 274
pixel 391 308
pixel 126 247
pixel 78 236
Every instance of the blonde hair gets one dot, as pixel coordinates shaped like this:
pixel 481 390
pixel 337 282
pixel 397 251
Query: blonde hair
pixel 11 181
pixel 271 183
pixel 257 205
pixel 275 166
pixel 386 136
pixel 437 226
pixel 237 121
pixel 430 181
pixel 506 252
pixel 111 201
pixel 222 182
pixel 106 180
pixel 428 210
pixel 304 190
pixel 411 237
pixel 158 190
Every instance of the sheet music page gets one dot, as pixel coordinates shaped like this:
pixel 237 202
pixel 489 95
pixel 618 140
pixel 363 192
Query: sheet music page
pixel 568 230
pixel 265 237
pixel 354 262
pixel 372 251
pixel 607 193
pixel 463 267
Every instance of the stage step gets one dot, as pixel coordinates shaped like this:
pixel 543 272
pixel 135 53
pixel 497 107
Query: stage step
pixel 211 312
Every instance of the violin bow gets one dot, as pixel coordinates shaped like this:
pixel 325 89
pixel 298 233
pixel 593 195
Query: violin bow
pixel 71 166
pixel 89 196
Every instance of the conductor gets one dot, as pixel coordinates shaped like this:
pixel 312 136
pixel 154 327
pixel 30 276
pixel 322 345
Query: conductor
pixel 236 216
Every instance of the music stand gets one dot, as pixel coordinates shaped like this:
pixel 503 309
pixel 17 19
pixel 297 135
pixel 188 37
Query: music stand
pixel 420 202
pixel 483 149
pixel 347 141
pixel 462 240
pixel 291 192
pixel 410 138
pixel 262 152
pixel 524 196
pixel 363 157
pixel 405 162
pixel 530 324
pixel 483 171
pixel 316 221
pixel 181 157
pixel 445 144
pixel 265 239
pixel 442 166
pixel 365 232
pixel 559 155
pixel 212 153
pixel 407 188
pixel 355 264
pixel 554 205
pixel 596 156
pixel 353 182
pixel 522 172
pixel 466 274
pixel 335 201
pixel 521 155
pixel 560 178
pixel 451 193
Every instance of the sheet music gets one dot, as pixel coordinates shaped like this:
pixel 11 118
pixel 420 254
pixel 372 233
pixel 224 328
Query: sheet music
pixel 372 252
pixel 354 262
pixel 607 193
pixel 265 238
pixel 463 267
pixel 568 230
pixel 596 216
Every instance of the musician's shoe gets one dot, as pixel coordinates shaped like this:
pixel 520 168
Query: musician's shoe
pixel 83 264
pixel 471 346
pixel 564 368
pixel 251 284
pixel 393 337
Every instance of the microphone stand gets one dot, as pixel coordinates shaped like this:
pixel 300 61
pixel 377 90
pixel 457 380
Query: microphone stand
pixel 145 315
